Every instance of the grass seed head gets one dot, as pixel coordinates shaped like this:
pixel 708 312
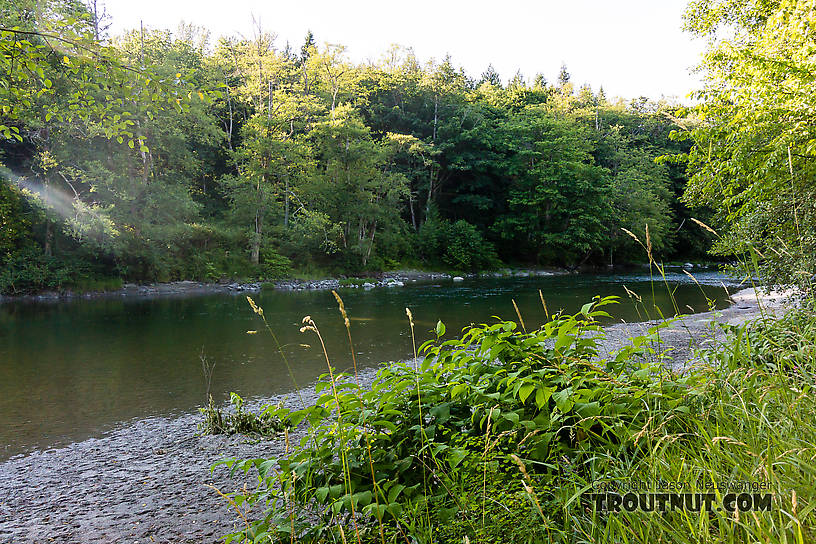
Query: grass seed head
pixel 342 308
pixel 255 308
pixel 704 226
pixel 632 234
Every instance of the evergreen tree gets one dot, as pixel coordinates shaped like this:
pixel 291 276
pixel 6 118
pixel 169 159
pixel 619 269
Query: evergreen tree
pixel 491 76
pixel 307 47
pixel 563 76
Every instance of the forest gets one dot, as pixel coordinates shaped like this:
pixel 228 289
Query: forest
pixel 162 155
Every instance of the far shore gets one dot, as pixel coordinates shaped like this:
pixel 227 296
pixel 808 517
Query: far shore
pixel 395 278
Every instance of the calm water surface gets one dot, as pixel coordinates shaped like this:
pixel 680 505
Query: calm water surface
pixel 71 370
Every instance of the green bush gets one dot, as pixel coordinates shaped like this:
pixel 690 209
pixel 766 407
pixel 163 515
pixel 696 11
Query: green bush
pixel 785 345
pixel 29 271
pixel 458 245
pixel 14 224
pixel 425 430
pixel 239 421
pixel 466 249
pixel 274 265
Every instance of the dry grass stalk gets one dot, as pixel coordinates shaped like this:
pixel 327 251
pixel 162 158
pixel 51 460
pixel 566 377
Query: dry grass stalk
pixel 526 482
pixel 706 227
pixel 632 294
pixel 518 313
pixel 543 303
pixel 348 332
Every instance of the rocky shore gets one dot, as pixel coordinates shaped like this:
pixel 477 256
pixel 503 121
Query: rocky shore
pixel 149 481
pixel 193 288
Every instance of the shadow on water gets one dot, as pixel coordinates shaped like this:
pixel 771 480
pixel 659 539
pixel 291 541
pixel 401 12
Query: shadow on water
pixel 75 369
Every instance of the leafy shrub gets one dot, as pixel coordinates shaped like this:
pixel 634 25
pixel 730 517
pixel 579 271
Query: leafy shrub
pixel 274 265
pixel 239 421
pixel 13 221
pixel 459 245
pixel 750 406
pixel 29 271
pixel 427 429
pixel 466 249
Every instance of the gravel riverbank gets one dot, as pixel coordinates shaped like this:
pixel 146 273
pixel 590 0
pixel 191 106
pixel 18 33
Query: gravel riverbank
pixel 148 480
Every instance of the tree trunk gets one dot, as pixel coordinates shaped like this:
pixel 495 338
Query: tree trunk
pixel 255 257
pixel 411 206
pixel 269 107
pixel 147 157
pixel 371 244
pixel 229 103
pixel 49 238
pixel 305 81
pixel 286 204
pixel 430 194
pixel 95 12
pixel 48 246
pixel 433 173
pixel 436 117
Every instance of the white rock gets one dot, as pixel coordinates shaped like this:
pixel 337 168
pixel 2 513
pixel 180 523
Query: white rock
pixel 458 278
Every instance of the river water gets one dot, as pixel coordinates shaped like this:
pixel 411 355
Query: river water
pixel 75 369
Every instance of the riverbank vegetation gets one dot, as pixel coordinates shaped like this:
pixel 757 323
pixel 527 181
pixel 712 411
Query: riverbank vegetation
pixel 248 158
pixel 506 436
pixel 238 419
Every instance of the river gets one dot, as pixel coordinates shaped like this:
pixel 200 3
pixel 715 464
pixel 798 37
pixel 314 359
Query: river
pixel 74 369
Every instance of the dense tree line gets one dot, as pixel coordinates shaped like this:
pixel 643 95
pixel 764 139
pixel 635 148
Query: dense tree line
pixel 161 156
pixel 753 154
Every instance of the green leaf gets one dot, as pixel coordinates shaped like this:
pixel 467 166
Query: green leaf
pixel 395 509
pixel 458 389
pixel 362 498
pixel 543 395
pixel 563 400
pixel 525 391
pixel 563 340
pixel 321 493
pixel 456 456
pixel 588 409
pixel 512 417
pixel 394 492
pixel 335 491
